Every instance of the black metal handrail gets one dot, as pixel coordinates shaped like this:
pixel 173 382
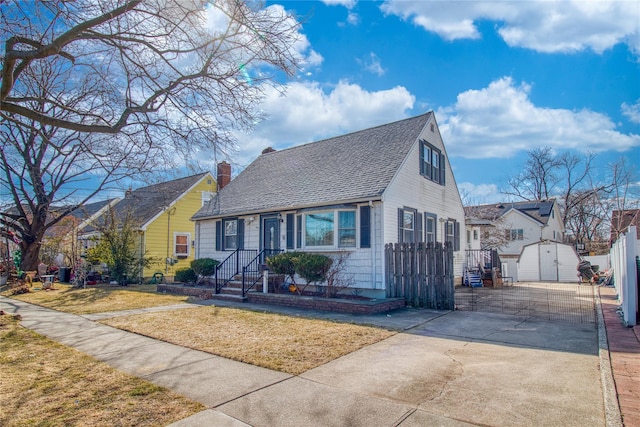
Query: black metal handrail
pixel 232 266
pixel 254 267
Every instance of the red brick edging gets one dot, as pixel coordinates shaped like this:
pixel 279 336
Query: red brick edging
pixel 624 352
pixel 340 305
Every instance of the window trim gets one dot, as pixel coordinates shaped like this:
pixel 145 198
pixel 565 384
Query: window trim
pixel 177 234
pixel 225 236
pixel 434 233
pixel 518 232
pixel 427 166
pixel 301 230
pixel 417 225
pixel 221 238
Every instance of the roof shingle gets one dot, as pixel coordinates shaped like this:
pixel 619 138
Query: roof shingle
pixel 355 166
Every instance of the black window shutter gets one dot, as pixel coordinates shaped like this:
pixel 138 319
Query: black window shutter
pixel 299 231
pixel 456 236
pixel 290 228
pixel 365 227
pixel 240 233
pixel 421 158
pixel 400 224
pixel 442 174
pixel 218 235
pixel 418 228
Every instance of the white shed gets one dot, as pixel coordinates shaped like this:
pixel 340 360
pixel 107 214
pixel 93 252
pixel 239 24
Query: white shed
pixel 548 262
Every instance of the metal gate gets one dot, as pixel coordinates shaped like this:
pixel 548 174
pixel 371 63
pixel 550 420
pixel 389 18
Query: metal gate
pixel 566 302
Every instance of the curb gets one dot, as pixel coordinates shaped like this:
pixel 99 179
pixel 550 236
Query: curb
pixel 613 417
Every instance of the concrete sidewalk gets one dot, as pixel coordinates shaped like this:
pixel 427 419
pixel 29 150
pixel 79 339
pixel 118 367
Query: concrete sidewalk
pixel 449 369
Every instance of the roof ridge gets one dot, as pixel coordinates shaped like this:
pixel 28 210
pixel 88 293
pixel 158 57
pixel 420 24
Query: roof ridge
pixel 171 181
pixel 344 135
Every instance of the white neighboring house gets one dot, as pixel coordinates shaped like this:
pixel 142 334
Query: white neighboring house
pixel 509 227
pixel 353 193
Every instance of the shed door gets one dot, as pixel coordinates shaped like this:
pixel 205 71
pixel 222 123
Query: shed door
pixel 548 263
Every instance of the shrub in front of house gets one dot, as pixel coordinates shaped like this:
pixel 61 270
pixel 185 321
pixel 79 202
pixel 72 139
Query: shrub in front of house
pixel 186 275
pixel 313 267
pixel 284 263
pixel 204 266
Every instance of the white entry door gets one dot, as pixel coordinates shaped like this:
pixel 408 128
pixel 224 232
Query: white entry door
pixel 548 263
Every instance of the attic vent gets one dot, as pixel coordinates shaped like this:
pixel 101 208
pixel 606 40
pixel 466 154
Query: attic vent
pixel 433 127
pixel 500 206
pixel 268 150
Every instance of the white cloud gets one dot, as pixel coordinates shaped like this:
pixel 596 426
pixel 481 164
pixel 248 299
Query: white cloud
pixel 631 112
pixel 217 22
pixel 353 18
pixel 544 26
pixel 479 194
pixel 500 121
pixel 309 112
pixel 349 4
pixel 372 64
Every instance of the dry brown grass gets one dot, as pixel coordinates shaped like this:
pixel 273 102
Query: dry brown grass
pixel 47 384
pixel 287 344
pixel 97 299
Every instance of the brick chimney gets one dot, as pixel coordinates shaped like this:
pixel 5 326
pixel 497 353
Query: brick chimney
pixel 224 175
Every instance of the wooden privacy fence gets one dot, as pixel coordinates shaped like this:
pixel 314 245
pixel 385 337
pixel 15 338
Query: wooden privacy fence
pixel 421 273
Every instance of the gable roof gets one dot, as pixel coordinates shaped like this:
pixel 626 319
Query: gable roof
pixel 354 167
pixel 539 210
pixel 145 203
pixel 89 209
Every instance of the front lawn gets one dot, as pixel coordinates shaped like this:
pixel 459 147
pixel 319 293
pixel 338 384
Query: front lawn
pixel 47 384
pixel 283 343
pixel 96 299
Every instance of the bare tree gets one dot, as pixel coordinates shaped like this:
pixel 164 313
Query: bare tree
pixel 624 196
pixel 586 202
pixel 94 91
pixel 538 177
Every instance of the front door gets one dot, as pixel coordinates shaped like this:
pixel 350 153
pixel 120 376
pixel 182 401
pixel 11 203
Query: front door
pixel 270 235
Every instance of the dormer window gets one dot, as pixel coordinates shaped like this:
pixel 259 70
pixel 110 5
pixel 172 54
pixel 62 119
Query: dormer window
pixel 431 163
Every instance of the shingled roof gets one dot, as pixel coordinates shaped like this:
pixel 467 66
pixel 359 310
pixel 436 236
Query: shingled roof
pixel 353 167
pixel 144 203
pixel 539 210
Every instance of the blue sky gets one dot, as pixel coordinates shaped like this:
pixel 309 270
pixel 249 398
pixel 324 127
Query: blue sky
pixel 502 77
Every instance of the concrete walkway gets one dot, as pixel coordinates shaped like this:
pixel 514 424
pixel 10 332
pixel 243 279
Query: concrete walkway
pixel 444 368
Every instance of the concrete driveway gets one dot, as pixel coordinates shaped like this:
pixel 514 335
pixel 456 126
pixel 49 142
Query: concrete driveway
pixel 462 368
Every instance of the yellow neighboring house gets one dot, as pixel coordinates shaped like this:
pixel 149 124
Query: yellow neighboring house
pixel 161 213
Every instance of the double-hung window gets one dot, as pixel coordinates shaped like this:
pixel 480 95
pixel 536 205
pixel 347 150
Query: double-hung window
pixel 452 233
pixel 431 232
pixel 409 226
pixel 181 244
pixel 515 234
pixel 230 234
pixel 432 163
pixel 347 229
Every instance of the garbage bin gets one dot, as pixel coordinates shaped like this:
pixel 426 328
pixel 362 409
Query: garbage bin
pixel 64 274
